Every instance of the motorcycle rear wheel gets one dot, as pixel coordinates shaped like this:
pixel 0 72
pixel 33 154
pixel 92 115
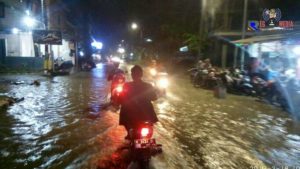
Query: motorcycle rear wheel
pixel 144 164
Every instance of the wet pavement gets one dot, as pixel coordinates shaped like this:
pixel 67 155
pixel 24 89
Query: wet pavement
pixel 63 124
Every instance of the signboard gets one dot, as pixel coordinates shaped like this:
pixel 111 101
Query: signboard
pixel 271 21
pixel 47 37
pixel 184 49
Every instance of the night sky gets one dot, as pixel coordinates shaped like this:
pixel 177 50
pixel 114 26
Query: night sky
pixel 109 20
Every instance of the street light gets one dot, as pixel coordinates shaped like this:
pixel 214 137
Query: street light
pixel 134 26
pixel 29 21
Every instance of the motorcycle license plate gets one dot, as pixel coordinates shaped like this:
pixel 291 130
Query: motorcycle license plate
pixel 143 143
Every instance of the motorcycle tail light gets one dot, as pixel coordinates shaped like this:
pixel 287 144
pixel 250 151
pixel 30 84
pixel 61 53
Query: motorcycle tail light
pixel 119 89
pixel 145 132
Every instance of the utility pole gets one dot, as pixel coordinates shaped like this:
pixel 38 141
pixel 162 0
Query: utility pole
pixel 202 23
pixel 44 20
pixel 244 32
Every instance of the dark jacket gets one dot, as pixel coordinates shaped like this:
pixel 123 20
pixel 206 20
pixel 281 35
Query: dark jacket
pixel 136 105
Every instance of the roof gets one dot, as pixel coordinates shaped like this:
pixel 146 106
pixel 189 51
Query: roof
pixel 267 38
pixel 234 37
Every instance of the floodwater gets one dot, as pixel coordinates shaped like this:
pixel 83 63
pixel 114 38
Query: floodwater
pixel 63 123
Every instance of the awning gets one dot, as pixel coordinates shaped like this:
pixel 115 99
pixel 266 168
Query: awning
pixel 234 37
pixel 267 38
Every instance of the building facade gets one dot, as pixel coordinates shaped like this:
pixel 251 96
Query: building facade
pixel 18 19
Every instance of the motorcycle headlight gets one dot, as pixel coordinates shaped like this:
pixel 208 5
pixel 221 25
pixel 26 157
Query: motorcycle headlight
pixel 163 83
pixel 153 72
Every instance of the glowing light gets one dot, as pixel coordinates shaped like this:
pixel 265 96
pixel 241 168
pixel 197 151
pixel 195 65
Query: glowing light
pixel 153 72
pixel 148 40
pixel 121 50
pixel 97 45
pixel 119 89
pixel 131 54
pixel 27 12
pixel 163 83
pixel 29 21
pixel 145 132
pixel 134 26
pixel 81 53
pixel 115 59
pixel 296 50
pixel 15 30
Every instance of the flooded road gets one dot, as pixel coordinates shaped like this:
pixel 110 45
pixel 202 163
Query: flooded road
pixel 62 124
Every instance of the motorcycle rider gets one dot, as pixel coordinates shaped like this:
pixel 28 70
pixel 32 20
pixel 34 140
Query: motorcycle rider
pixel 136 101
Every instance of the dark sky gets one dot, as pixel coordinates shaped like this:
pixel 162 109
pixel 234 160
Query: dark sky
pixel 110 19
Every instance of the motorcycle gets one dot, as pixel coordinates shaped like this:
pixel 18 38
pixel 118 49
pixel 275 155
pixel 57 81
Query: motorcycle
pixel 206 79
pixel 117 88
pixel 63 68
pixel 237 82
pixel 161 83
pixel 142 145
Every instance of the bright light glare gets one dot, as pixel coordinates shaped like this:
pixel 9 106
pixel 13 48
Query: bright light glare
pixel 81 53
pixel 153 72
pixel 134 26
pixel 148 40
pixel 296 50
pixel 119 89
pixel 97 45
pixel 121 50
pixel 131 54
pixel 15 30
pixel 29 21
pixel 116 59
pixel 145 132
pixel 163 83
pixel 27 12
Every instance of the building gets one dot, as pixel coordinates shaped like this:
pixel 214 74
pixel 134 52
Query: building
pixel 18 21
pixel 17 48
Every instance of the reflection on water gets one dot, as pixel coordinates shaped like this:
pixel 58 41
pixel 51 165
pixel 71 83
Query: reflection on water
pixel 234 133
pixel 52 127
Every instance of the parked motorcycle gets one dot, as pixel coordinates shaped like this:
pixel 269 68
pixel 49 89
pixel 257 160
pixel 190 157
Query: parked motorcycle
pixel 63 68
pixel 238 82
pixel 142 145
pixel 206 79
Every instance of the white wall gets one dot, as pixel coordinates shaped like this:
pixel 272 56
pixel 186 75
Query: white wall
pixel 18 44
